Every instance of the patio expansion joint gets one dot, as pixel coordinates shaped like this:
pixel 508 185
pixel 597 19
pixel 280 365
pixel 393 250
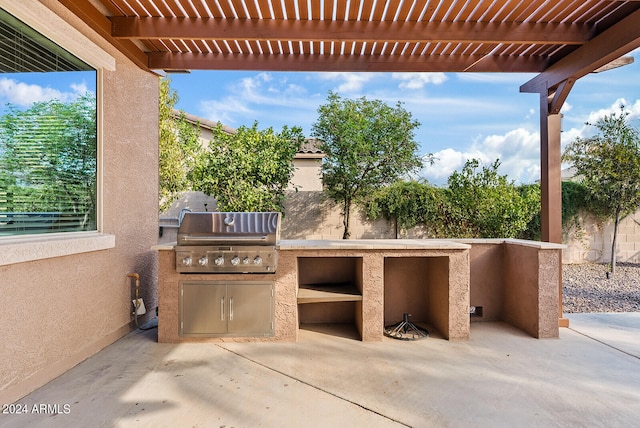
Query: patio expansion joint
pixel 605 344
pixel 312 386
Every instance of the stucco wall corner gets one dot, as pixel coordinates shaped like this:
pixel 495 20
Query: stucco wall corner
pixel 459 295
pixel 372 296
pixel 548 294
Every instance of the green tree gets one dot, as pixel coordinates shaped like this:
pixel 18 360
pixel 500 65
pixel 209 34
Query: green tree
pixel 487 205
pixel 48 159
pixel 608 164
pixel 367 145
pixel 479 203
pixel 409 203
pixel 179 147
pixel 248 170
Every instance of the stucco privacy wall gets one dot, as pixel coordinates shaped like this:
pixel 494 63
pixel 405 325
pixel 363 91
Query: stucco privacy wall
pixel 591 241
pixel 309 215
pixel 58 311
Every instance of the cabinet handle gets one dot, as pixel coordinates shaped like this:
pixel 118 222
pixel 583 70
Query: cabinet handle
pixel 230 308
pixel 222 309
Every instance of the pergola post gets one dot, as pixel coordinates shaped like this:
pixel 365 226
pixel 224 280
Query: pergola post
pixel 550 177
pixel 551 184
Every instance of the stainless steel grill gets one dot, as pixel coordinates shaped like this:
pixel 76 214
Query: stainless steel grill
pixel 226 242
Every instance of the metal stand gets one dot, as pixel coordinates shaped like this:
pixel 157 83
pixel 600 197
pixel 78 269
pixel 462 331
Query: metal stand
pixel 405 330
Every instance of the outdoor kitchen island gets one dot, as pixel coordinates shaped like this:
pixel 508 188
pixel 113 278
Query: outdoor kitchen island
pixel 364 283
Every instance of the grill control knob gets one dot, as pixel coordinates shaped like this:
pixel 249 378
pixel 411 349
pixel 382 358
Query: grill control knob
pixel 219 261
pixel 246 261
pixel 257 260
pixel 186 261
pixel 235 261
pixel 203 261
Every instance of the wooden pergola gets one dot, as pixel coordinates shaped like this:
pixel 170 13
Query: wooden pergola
pixel 561 40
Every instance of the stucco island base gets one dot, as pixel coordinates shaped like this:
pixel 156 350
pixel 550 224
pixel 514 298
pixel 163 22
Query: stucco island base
pixel 372 283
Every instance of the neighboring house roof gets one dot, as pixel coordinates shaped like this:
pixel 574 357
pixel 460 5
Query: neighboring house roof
pixel 568 174
pixel 310 147
pixel 204 123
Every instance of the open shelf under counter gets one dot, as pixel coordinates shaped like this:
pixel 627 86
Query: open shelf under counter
pixel 324 293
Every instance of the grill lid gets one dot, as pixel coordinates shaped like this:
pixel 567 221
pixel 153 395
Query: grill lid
pixel 229 228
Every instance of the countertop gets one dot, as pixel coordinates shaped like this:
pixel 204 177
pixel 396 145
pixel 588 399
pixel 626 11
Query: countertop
pixel 372 244
pixel 390 244
pixel 356 244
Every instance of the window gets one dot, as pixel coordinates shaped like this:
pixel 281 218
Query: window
pixel 48 135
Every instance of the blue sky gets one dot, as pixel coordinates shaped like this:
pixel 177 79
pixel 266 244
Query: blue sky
pixel 462 116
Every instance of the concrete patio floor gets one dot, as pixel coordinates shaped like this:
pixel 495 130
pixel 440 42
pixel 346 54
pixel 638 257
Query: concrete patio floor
pixel 501 377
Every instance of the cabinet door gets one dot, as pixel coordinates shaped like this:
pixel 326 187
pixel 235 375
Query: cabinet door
pixel 250 309
pixel 203 309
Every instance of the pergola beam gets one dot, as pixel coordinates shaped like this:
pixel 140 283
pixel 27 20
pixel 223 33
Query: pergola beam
pixel 333 62
pixel 102 26
pixel 606 47
pixel 358 31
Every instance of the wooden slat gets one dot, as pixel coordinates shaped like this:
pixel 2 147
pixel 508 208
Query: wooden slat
pixel 391 9
pixel 290 8
pixel 202 11
pixel 263 5
pixel 405 8
pixel 328 10
pixel 277 10
pixel 543 10
pixel 226 8
pixel 523 12
pixel 467 8
pixel 252 9
pixel 454 10
pixel 379 9
pixel 341 10
pixel 165 8
pixel 122 6
pixel 303 9
pixel 353 10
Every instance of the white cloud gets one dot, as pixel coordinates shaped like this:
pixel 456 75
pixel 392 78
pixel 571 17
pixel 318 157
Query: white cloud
pixel 584 130
pixel 24 94
pixel 496 78
pixel 225 111
pixel 350 82
pixel 418 80
pixel 531 113
pixel 254 98
pixel 517 150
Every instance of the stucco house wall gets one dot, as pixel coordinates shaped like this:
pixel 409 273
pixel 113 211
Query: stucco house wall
pixel 63 299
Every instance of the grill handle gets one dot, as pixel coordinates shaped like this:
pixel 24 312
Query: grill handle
pixel 222 309
pixel 207 238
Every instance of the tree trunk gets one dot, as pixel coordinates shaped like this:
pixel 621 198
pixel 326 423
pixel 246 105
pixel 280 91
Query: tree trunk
pixel 614 241
pixel 345 220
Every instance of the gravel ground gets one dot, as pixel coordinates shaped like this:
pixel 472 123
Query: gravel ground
pixel 585 288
